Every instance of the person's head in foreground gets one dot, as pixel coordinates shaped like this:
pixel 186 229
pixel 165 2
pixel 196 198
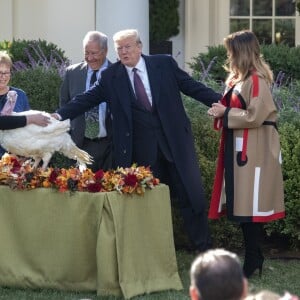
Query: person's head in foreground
pixel 217 274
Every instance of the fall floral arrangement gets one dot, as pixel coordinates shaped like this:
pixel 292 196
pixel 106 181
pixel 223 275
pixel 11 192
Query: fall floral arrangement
pixel 18 173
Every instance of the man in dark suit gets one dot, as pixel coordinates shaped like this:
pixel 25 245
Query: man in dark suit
pixel 81 77
pixel 158 132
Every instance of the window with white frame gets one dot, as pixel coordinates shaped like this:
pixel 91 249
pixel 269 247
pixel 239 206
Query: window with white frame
pixel 273 21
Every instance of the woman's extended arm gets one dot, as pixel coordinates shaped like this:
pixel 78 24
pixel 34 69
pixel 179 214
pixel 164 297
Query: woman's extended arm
pixel 12 122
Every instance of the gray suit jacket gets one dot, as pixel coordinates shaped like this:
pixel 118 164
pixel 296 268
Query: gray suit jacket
pixel 74 83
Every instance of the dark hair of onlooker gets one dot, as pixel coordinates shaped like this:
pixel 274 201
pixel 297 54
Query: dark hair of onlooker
pixel 217 274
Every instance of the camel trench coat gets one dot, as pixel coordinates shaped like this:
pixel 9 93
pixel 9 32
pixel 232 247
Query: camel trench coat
pixel 248 185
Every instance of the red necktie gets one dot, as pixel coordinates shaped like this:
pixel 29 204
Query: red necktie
pixel 140 91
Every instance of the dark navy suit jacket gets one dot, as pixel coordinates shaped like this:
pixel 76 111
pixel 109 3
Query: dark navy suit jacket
pixel 167 82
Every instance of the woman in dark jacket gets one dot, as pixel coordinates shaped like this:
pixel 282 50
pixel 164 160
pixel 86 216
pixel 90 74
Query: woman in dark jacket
pixel 12 122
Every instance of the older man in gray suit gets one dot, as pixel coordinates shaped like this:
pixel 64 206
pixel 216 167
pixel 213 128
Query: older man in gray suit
pixel 79 78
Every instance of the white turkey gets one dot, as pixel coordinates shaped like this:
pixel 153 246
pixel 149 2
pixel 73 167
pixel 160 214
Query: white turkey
pixel 40 143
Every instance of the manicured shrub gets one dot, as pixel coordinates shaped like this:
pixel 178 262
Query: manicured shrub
pixel 163 19
pixel 210 64
pixel 287 99
pixel 283 60
pixel 41 86
pixel 32 52
pixel 290 146
pixel 38 67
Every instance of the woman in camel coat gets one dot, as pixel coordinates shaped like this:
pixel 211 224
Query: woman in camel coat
pixel 248 185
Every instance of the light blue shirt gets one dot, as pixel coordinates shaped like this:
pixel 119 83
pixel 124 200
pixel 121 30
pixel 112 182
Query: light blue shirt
pixel 90 73
pixel 102 106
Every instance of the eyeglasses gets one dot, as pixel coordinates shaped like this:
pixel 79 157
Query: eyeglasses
pixel 6 74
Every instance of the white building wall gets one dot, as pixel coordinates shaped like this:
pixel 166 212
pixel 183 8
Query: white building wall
pixel 298 29
pixel 116 15
pixel 179 40
pixel 6 20
pixel 196 27
pixel 221 19
pixel 63 23
pixel 66 22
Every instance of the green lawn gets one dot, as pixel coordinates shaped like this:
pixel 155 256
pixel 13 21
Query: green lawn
pixel 278 275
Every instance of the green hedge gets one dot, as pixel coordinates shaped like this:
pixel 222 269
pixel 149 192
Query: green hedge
pixel 282 59
pixel 290 146
pixel 41 86
pixel 33 51
pixel 163 19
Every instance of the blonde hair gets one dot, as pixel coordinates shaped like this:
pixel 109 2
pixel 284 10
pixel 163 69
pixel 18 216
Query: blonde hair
pixel 244 57
pixel 123 34
pixel 5 59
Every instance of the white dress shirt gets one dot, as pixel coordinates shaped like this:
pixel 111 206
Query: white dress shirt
pixel 142 71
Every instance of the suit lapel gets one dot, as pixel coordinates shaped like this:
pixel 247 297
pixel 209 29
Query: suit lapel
pixel 122 85
pixel 154 76
pixel 123 88
pixel 83 75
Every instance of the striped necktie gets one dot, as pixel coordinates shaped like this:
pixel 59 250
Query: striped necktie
pixel 93 78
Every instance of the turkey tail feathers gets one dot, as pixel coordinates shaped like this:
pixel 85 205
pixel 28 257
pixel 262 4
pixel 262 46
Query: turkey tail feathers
pixel 81 156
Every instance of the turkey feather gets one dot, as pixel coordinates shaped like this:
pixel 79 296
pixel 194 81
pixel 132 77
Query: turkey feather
pixel 40 143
